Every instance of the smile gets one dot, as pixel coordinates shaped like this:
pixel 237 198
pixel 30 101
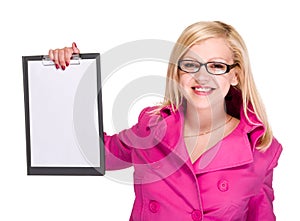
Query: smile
pixel 203 90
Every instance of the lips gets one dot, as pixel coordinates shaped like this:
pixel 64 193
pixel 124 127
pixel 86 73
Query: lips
pixel 203 90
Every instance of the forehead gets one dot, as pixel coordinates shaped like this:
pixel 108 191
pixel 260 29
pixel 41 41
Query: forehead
pixel 210 49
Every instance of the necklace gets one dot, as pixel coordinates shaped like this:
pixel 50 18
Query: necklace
pixel 209 131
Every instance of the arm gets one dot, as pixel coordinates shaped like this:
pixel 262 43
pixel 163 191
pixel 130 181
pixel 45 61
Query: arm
pixel 119 147
pixel 117 153
pixel 261 205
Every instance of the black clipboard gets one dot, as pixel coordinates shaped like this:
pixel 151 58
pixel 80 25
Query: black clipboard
pixel 63 116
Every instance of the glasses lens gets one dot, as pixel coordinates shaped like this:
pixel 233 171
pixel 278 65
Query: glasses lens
pixel 189 66
pixel 216 68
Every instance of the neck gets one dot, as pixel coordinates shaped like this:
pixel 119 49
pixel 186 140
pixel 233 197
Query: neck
pixel 204 119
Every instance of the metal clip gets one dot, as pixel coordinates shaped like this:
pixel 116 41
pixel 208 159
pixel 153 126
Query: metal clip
pixel 75 60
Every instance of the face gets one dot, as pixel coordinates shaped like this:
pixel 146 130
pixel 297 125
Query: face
pixel 202 89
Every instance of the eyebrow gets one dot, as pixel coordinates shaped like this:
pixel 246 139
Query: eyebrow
pixel 211 59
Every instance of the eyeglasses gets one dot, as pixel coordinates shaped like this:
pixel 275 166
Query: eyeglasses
pixel 215 68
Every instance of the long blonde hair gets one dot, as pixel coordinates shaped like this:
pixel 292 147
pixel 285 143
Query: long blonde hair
pixel 246 86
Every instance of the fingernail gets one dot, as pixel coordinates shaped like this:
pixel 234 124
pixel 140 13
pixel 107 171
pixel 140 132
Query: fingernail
pixel 75 44
pixel 57 66
pixel 63 67
pixel 67 64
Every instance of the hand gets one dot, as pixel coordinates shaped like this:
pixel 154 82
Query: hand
pixel 61 57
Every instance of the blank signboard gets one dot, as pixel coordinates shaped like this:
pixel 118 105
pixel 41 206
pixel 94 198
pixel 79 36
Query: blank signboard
pixel 63 116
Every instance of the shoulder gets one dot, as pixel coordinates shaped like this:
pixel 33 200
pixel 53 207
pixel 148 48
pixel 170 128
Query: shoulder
pixel 147 117
pixel 159 118
pixel 271 155
pixel 147 114
pixel 157 112
pixel 147 111
pixel 274 151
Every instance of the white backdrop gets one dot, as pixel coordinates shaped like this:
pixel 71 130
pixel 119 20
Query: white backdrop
pixel 32 27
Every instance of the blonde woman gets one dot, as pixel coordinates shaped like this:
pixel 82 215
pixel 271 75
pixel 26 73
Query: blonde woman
pixel 207 152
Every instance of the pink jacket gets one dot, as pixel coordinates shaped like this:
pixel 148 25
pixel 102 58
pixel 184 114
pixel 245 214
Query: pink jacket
pixel 231 181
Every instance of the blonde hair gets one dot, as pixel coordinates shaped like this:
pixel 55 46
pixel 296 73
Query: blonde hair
pixel 246 86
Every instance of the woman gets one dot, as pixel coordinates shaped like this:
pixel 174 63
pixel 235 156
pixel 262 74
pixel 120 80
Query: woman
pixel 207 152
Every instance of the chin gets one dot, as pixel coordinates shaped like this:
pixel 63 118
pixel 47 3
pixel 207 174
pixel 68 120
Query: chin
pixel 206 102
pixel 200 104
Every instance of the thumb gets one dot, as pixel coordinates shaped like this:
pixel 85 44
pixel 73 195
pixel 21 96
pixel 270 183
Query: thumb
pixel 75 49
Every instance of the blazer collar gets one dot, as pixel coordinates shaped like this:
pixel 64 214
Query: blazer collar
pixel 234 150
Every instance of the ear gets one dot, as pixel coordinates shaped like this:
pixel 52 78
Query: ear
pixel 234 80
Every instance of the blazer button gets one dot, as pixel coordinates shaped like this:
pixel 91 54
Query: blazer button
pixel 196 215
pixel 154 206
pixel 223 185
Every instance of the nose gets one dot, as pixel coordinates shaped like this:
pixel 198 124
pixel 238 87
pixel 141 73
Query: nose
pixel 202 76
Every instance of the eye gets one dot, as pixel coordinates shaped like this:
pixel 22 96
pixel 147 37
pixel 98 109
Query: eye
pixel 217 66
pixel 189 65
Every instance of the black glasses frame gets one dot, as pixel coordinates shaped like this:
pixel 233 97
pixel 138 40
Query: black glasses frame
pixel 228 66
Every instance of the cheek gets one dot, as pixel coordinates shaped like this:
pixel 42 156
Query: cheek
pixel 224 84
pixel 185 80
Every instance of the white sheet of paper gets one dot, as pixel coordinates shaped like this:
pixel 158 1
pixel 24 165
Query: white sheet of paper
pixel 58 137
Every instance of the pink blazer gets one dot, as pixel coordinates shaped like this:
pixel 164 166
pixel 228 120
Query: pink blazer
pixel 230 181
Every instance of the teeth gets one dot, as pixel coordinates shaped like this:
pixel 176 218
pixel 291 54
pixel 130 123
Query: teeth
pixel 203 89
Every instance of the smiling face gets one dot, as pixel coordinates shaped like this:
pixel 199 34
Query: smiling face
pixel 204 90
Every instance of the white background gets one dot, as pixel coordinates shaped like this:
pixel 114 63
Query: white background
pixel 32 27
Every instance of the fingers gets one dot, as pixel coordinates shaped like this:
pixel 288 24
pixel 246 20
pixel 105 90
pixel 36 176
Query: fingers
pixel 75 49
pixel 54 57
pixel 67 56
pixel 61 57
pixel 53 54
pixel 64 56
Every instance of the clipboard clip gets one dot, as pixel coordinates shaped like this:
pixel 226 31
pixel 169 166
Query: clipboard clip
pixel 75 60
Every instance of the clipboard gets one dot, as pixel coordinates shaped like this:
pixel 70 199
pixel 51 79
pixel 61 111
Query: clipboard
pixel 63 116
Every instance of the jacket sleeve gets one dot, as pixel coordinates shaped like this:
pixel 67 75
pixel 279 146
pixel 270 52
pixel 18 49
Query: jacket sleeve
pixel 118 147
pixel 261 205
